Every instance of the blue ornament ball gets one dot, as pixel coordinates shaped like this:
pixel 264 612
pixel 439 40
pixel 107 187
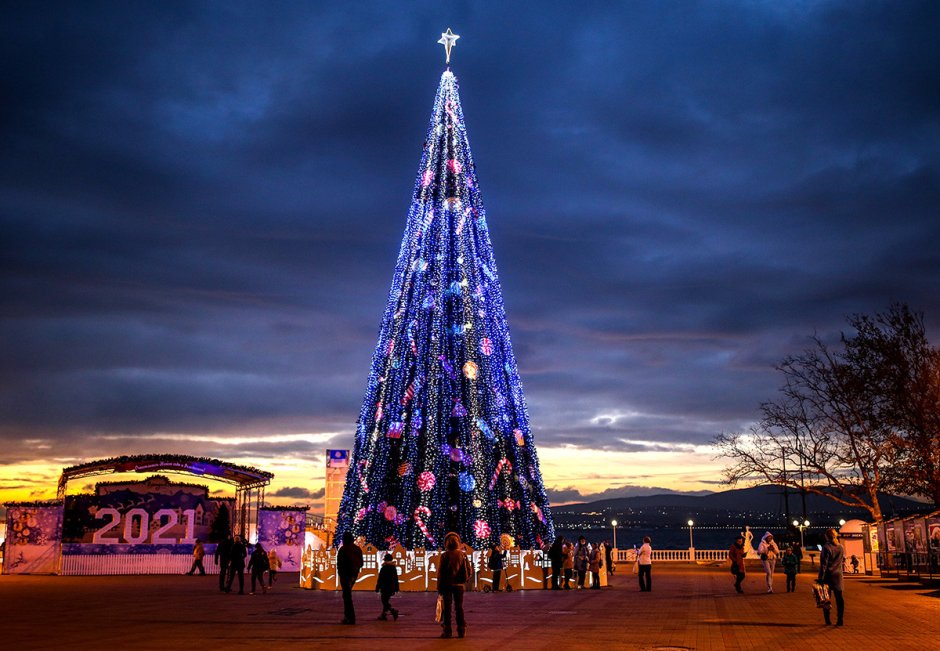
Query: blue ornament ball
pixel 466 482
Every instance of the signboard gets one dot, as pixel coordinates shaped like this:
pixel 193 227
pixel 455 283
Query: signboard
pixel 283 530
pixel 933 533
pixel 915 535
pixel 152 516
pixel 32 535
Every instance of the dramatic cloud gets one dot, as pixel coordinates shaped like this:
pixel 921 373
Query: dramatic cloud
pixel 201 205
pixel 299 493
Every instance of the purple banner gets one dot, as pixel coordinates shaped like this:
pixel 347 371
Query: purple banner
pixel 283 531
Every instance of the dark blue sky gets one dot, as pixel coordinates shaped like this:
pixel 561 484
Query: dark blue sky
pixel 201 205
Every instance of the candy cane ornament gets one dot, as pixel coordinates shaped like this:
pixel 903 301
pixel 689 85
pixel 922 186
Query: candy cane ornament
pixel 419 520
pixel 362 478
pixel 503 463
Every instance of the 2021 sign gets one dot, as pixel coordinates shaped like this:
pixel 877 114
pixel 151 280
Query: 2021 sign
pixel 137 527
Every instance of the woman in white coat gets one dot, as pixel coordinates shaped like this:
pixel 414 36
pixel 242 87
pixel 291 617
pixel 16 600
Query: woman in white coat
pixel 769 552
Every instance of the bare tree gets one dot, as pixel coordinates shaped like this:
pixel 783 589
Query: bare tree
pixel 830 432
pixel 893 350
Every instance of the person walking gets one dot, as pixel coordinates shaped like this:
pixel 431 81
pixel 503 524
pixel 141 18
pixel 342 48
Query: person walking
pixel 274 565
pixel 582 560
pixel 387 586
pixel 452 574
pixel 555 553
pixel 223 556
pixel 830 574
pixel 789 563
pixel 567 563
pixel 495 563
pixel 609 553
pixel 348 564
pixel 769 552
pixel 798 552
pixel 236 566
pixel 595 563
pixel 198 553
pixel 736 555
pixel 644 560
pixel 257 566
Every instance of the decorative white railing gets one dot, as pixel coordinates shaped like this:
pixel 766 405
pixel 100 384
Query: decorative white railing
pixel 178 564
pixel 676 555
pixel 130 564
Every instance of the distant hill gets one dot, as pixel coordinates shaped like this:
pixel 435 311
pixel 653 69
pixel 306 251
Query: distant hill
pixel 757 500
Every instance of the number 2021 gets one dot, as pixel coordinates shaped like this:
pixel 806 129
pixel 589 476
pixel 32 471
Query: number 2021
pixel 137 526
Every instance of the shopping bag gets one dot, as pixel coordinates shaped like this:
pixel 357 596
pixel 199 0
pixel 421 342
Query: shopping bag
pixel 821 595
pixel 439 611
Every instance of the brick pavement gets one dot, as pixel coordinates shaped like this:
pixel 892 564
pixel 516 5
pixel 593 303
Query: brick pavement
pixel 690 607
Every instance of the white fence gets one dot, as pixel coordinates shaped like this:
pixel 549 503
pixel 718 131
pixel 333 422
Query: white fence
pixel 676 555
pixel 78 565
pixel 131 564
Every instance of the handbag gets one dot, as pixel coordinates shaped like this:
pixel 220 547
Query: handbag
pixel 636 566
pixel 439 610
pixel 821 595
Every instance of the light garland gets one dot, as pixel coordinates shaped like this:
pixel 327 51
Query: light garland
pixel 443 440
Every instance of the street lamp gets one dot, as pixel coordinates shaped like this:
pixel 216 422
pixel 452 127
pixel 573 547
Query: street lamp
pixel 802 527
pixel 613 523
pixel 842 522
pixel 691 544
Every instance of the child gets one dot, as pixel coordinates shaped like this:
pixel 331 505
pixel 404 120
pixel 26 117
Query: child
pixel 854 564
pixel 274 564
pixel 790 563
pixel 387 584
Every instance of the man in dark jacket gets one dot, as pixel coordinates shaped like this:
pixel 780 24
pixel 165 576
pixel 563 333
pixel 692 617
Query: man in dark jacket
pixel 452 575
pixel 257 566
pixel 495 563
pixel 223 556
pixel 736 556
pixel 237 565
pixel 348 564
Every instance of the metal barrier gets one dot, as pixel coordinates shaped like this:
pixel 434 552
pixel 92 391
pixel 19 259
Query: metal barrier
pixel 910 566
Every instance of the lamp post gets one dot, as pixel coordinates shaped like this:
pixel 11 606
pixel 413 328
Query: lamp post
pixel 613 523
pixel 802 527
pixel 691 544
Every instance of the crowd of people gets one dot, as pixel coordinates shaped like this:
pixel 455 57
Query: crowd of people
pixel 830 575
pixel 566 559
pixel 230 555
pixel 568 563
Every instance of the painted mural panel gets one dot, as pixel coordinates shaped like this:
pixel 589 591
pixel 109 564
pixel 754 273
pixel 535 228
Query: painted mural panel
pixel 33 532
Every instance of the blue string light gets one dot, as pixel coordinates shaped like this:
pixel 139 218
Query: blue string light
pixel 443 441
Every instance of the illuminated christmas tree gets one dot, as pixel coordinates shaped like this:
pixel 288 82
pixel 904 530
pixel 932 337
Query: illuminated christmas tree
pixel 443 440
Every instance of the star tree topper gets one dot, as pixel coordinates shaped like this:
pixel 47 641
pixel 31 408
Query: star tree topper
pixel 448 40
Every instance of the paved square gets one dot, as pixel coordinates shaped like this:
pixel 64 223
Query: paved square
pixel 690 607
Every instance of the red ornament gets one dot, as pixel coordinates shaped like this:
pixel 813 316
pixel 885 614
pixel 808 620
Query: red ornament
pixel 426 481
pixel 486 346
